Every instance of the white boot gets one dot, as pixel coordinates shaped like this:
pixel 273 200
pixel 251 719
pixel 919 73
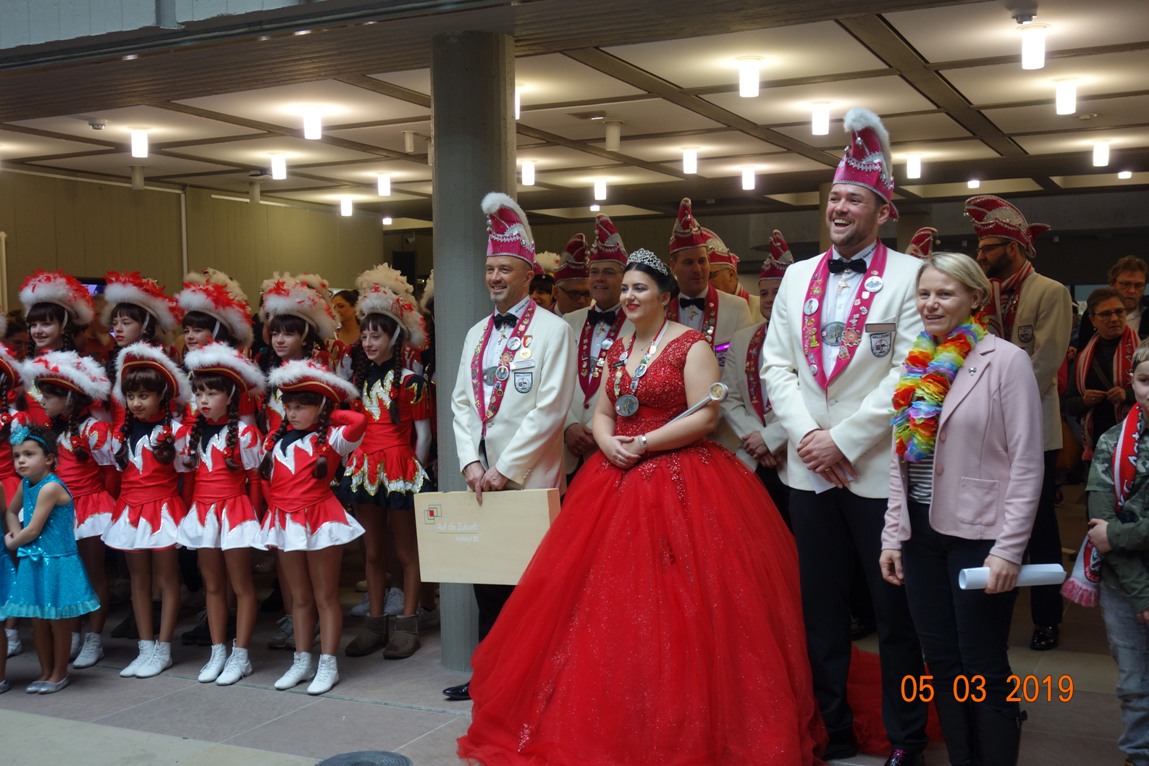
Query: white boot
pixel 147 649
pixel 160 661
pixel 299 672
pixel 214 666
pixel 74 649
pixel 15 646
pixel 326 676
pixel 91 653
pixel 238 666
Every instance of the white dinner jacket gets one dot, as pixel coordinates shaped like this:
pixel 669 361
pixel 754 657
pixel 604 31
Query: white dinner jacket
pixel 1042 328
pixel 737 411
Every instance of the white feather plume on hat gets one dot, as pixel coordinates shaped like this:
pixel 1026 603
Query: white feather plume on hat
pixel 548 260
pixel 225 360
pixel 59 288
pixel 145 355
pixel 81 373
pixel 214 293
pixel 285 294
pixel 305 375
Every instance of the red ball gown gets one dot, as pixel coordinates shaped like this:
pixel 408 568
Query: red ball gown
pixel 659 622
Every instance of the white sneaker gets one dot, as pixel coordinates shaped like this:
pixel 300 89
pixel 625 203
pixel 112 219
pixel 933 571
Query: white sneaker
pixel 74 649
pixel 92 651
pixel 299 672
pixel 15 646
pixel 326 676
pixel 159 661
pixel 237 667
pixel 214 666
pixel 147 649
pixel 363 608
pixel 394 604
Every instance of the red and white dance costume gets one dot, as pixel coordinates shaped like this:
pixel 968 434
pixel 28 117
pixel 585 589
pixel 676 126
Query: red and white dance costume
pixel 149 509
pixel 10 379
pixel 65 291
pixel 223 502
pixel 87 480
pixel 302 512
pixel 384 470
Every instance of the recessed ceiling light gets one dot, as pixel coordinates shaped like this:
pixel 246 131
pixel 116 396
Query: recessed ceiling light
pixel 386 219
pixel 974 183
pixel 301 32
pixel 595 208
pixel 1125 175
pixel 130 57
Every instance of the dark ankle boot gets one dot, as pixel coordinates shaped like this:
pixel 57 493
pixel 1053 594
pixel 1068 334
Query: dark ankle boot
pixel 998 735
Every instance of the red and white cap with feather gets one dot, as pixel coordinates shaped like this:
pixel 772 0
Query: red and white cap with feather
pixel 384 290
pixel 131 287
pixel 922 243
pixel 219 296
pixel 780 258
pixel 572 263
pixel 687 233
pixel 866 160
pixel 146 356
pixel 994 217
pixel 59 288
pixel 222 359
pixel 69 370
pixel 607 242
pixel 508 232
pixel 300 296
pixel 306 375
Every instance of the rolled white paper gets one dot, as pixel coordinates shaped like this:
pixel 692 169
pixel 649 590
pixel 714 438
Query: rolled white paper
pixel 1030 575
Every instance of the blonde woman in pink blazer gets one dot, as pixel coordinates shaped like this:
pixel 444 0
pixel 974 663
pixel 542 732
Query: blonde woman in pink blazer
pixel 965 477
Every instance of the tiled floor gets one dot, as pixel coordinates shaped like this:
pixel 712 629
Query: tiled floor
pixel 103 720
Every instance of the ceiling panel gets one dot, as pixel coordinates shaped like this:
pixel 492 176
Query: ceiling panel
pixel 1101 180
pixel 238 182
pixel 793 104
pixel 401 171
pixel 618 176
pixel 800 199
pixel 769 164
pixel 1055 143
pixel 257 152
pixel 638 118
pixel 163 125
pixel 1092 114
pixel 339 103
pixel 577 213
pixel 946 151
pixel 1002 187
pixel 1009 83
pixel 557 157
pixel 14 145
pixel 119 164
pixel 720 144
pixel 787 53
pixel 916 127
pixel 987 29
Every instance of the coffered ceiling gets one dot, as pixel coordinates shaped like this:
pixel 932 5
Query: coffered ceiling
pixel 218 100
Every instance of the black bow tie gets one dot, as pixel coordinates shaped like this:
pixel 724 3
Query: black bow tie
pixel 838 265
pixel 594 317
pixel 699 303
pixel 504 320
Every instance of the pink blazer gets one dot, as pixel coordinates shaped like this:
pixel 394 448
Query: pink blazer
pixel 989 458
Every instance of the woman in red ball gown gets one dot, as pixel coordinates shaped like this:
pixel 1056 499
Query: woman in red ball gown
pixel 659 622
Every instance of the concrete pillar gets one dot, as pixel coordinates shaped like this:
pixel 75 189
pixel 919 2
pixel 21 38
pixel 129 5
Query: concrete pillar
pixel 472 101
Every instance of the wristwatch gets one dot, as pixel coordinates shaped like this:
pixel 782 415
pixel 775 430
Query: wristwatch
pixel 642 440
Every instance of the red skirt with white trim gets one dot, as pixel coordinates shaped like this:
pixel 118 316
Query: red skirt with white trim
pixel 93 513
pixel 151 525
pixel 224 524
pixel 388 478
pixel 312 528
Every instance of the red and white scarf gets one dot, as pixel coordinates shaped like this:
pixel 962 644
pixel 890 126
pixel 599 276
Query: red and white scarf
pixel 1006 294
pixel 1122 367
pixel 760 403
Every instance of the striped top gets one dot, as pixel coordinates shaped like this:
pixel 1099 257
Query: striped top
pixel 921 476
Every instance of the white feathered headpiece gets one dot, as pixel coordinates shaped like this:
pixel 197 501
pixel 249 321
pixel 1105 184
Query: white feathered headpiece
pixel 222 359
pixel 306 375
pixel 59 288
pixel 138 290
pixel 144 355
pixel 299 296
pixel 69 370
pixel 219 296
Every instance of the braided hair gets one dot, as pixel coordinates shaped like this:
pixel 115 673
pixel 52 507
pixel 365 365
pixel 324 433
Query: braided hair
pixel 322 423
pixel 212 382
pixel 52 312
pixel 140 316
pixel 145 379
pixel 70 425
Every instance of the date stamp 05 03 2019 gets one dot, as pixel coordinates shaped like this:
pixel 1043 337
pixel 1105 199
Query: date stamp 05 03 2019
pixel 1027 688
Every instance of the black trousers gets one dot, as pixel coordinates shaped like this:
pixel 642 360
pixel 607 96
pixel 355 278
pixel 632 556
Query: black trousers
pixel 830 529
pixel 777 490
pixel 1045 548
pixel 491 599
pixel 965 637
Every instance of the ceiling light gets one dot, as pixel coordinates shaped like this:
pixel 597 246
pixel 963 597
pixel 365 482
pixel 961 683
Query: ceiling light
pixel 301 32
pixel 820 119
pixel 1125 175
pixel 749 76
pixel 313 126
pixel 409 141
pixel 600 188
pixel 1066 96
pixel 384 183
pixel 129 57
pixel 518 101
pixel 1032 42
pixel 387 220
pixel 528 173
pixel 749 179
pixel 914 166
pixel 974 183
pixel 1100 154
pixel 345 207
pixel 140 144
pixel 613 135
pixel 595 208
pixel 690 161
pixel 278 167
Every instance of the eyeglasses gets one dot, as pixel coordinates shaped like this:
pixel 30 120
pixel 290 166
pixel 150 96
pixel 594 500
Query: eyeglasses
pixel 990 248
pixel 1130 285
pixel 1109 314
pixel 576 294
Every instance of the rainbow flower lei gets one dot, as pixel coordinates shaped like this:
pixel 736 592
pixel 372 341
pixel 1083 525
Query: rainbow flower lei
pixel 927 374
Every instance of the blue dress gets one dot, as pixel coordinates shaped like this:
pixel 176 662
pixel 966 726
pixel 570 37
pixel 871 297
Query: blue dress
pixel 50 580
pixel 7 577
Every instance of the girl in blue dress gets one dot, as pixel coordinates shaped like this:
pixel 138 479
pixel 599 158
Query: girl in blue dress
pixel 7 577
pixel 50 585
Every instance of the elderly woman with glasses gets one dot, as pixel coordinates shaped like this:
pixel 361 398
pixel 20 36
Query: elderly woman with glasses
pixel 1100 391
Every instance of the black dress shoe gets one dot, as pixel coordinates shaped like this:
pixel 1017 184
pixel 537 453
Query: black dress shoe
pixel 903 757
pixel 1045 637
pixel 840 748
pixel 460 693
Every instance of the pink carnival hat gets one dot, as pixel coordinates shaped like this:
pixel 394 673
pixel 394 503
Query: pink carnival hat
pixel 607 242
pixel 922 243
pixel 719 255
pixel 780 258
pixel 508 232
pixel 866 160
pixel 572 263
pixel 994 217
pixel 687 233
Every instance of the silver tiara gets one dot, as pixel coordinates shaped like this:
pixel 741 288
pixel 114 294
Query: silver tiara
pixel 647 258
